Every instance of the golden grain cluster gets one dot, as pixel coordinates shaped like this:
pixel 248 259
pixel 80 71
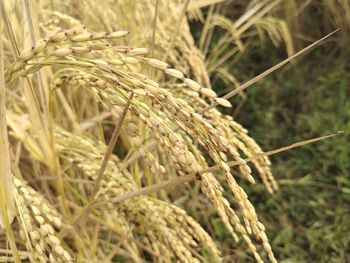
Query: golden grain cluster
pixel 80 77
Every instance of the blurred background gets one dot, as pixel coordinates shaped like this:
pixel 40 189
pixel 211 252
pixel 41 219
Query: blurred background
pixel 308 220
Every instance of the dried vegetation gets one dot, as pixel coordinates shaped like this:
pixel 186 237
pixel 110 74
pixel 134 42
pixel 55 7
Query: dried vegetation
pixel 78 79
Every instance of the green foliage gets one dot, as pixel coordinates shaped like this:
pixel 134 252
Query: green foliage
pixel 310 217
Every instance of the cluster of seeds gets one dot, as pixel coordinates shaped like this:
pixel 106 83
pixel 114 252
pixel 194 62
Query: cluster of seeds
pixel 178 112
pixel 36 221
pixel 234 132
pixel 173 116
pixel 178 232
pixel 71 41
pixel 185 162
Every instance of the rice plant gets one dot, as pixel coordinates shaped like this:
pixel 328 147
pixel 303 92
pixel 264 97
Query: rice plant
pixel 104 106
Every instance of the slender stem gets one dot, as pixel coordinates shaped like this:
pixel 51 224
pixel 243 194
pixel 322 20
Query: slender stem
pixel 110 147
pixel 191 176
pixel 206 27
pixel 30 21
pixel 7 205
pixel 8 29
pixel 84 212
pixel 177 29
pixel 153 43
pixel 266 73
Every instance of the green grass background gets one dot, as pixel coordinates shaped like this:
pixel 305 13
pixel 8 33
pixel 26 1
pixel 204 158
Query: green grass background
pixel 308 220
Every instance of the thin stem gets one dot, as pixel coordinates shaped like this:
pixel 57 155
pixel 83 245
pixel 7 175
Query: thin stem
pixel 7 205
pixel 266 73
pixel 177 29
pixel 9 30
pixel 30 21
pixel 153 43
pixel 204 33
pixel 84 212
pixel 110 147
pixel 189 177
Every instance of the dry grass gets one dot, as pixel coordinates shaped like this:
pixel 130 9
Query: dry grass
pixel 67 85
